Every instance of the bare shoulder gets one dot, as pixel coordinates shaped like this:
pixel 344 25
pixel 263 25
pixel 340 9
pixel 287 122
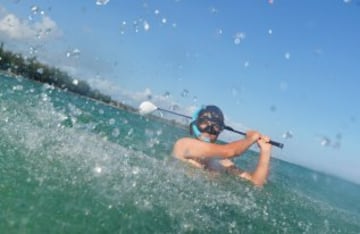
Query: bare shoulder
pixel 183 145
pixel 193 148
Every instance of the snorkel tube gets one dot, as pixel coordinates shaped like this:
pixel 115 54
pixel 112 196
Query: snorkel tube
pixel 194 128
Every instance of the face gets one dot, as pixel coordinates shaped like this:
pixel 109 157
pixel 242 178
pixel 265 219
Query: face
pixel 211 128
pixel 213 135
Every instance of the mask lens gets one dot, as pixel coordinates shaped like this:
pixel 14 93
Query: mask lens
pixel 210 127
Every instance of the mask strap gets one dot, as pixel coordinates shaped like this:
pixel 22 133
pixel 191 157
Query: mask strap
pixel 194 128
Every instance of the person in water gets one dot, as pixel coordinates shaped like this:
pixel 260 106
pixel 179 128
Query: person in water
pixel 203 151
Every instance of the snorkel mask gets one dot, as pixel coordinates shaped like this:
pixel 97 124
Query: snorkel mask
pixel 209 119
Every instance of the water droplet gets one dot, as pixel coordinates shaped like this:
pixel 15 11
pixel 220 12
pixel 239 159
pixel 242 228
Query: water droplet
pixel 287 55
pixel 74 53
pixel 164 20
pixel 270 32
pixel 240 36
pixel 146 26
pixel 246 64
pixel 185 93
pixel 135 170
pixel 40 70
pixel 325 141
pixel 44 97
pixel 156 12
pixel 219 32
pixel 287 135
pixel 98 169
pixel 112 121
pixel 18 88
pixel 75 82
pixel 123 27
pixel 102 2
pixel 213 10
pixel 115 132
pixel 35 9
pixel 167 94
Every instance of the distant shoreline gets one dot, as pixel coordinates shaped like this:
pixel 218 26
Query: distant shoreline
pixel 15 65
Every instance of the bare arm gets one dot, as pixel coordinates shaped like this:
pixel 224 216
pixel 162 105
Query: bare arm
pixel 193 148
pixel 259 175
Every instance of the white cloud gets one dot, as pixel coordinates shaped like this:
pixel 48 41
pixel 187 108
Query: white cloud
pixel 14 28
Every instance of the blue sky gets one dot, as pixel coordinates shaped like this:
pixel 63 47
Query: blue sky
pixel 289 69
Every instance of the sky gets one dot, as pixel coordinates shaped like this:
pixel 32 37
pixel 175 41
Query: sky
pixel 289 69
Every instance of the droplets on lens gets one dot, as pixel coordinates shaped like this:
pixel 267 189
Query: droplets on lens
pixel 98 169
pixel 146 26
pixel 18 88
pixel 185 93
pixel 288 135
pixel 213 10
pixel 166 94
pixel 219 32
pixel 136 25
pixel 123 27
pixel 325 141
pixel 240 36
pixel 35 10
pixel 33 50
pixel 115 132
pixel 112 121
pixel 287 55
pixel 40 70
pixel 75 82
pixel 75 53
pixel 102 2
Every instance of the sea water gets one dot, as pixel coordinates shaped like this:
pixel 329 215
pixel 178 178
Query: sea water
pixel 72 165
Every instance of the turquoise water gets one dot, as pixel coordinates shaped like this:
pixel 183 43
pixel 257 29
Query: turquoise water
pixel 72 165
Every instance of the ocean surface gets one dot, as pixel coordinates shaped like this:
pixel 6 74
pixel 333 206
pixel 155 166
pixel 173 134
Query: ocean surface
pixel 72 165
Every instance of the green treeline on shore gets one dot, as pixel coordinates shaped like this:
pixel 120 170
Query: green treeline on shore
pixel 32 69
